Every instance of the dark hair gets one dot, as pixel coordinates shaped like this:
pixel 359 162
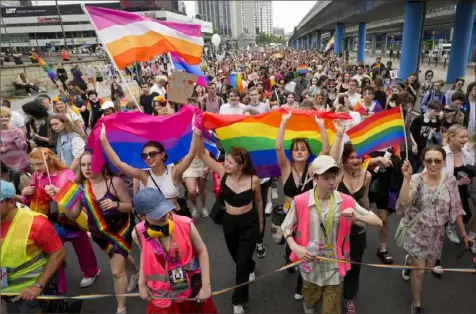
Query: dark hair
pixel 295 141
pixel 469 88
pixel 437 148
pixel 6 103
pixel 92 92
pixel 378 82
pixel 35 110
pixel 458 96
pixel 291 93
pixel 434 104
pixel 369 89
pixel 428 72
pixel 4 168
pixel 157 145
pixel 321 80
pixel 242 157
pixel 348 150
pixel 234 91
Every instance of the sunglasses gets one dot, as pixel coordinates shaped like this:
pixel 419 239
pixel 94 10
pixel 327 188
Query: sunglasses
pixel 449 110
pixel 149 155
pixel 431 161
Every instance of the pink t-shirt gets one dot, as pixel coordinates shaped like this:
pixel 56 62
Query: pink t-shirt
pixel 58 179
pixel 14 149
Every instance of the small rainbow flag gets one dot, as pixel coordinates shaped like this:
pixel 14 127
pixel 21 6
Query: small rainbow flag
pixel 381 130
pixel 302 69
pixel 68 195
pixel 234 80
pixel 330 44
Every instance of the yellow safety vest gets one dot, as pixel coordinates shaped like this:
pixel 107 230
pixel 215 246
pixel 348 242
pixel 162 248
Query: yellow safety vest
pixel 23 268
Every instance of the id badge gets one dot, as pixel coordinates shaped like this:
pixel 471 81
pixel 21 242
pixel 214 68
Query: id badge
pixel 326 250
pixel 286 207
pixel 4 278
pixel 178 279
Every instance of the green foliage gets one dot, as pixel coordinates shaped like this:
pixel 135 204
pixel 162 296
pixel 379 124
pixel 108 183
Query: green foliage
pixel 263 39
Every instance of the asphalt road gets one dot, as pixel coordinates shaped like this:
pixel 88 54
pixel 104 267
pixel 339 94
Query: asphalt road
pixel 381 290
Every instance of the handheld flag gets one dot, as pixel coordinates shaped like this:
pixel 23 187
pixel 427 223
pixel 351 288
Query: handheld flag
pixel 330 45
pixel 180 65
pixel 234 80
pixel 69 195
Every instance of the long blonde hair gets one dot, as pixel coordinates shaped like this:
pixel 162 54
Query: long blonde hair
pixel 54 162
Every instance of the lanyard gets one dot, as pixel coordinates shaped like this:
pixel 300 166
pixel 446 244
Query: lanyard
pixel 325 230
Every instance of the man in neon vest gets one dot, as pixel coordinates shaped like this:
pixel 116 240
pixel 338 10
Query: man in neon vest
pixel 318 224
pixel 174 259
pixel 31 253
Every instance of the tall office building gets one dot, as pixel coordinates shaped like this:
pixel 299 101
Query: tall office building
pixel 263 16
pixel 242 21
pixel 218 13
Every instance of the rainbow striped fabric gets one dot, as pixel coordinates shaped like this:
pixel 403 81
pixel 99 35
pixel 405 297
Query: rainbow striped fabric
pixel 234 80
pixel 68 195
pixel 302 69
pixel 381 130
pixel 130 37
pixel 257 134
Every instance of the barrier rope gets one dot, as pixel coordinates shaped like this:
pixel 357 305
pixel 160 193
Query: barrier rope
pixel 225 290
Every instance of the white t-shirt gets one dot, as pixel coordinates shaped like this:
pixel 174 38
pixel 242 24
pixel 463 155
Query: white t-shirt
pixel 262 107
pixel 17 120
pixel 360 77
pixel 290 86
pixel 157 89
pixel 78 145
pixel 229 109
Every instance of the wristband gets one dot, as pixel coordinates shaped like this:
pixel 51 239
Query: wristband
pixel 39 286
pixel 118 204
pixel 287 237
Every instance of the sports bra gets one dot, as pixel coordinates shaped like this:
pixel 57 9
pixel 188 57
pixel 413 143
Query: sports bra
pixel 164 183
pixel 238 199
pixel 291 190
pixel 357 194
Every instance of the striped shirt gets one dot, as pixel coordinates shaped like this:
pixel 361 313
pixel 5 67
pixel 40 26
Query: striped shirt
pixel 14 149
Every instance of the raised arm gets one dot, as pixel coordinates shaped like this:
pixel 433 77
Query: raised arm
pixel 209 161
pixel 326 147
pixel 336 150
pixel 116 161
pixel 283 161
pixel 180 168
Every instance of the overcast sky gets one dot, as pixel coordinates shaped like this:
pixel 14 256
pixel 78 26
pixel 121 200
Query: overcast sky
pixel 282 16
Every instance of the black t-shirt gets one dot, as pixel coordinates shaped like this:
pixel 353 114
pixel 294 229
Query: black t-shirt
pixel 95 110
pixel 381 97
pixel 146 102
pixel 280 95
pixel 420 131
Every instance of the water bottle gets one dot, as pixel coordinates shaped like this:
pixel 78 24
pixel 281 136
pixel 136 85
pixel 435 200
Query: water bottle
pixel 313 248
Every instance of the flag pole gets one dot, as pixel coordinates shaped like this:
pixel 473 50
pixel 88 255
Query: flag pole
pixel 109 54
pixel 404 133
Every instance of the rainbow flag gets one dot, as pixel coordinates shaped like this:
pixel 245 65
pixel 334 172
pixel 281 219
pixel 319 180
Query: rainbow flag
pixel 131 37
pixel 302 69
pixel 68 195
pixel 123 102
pixel 330 44
pixel 257 134
pixel 129 131
pixel 40 201
pixel 51 74
pixel 381 130
pixel 234 79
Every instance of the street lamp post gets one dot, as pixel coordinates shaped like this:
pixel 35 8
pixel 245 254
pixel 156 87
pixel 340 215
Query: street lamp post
pixel 62 27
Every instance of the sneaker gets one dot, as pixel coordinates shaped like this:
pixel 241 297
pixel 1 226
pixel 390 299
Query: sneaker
pixel 274 193
pixel 193 212
pixel 260 250
pixel 133 281
pixel 416 310
pixel 121 311
pixel 205 212
pixel 238 309
pixel 269 208
pixel 385 257
pixel 306 310
pixel 298 295
pixel 86 282
pixel 349 305
pixel 406 272
pixel 451 234
pixel 437 270
pixel 252 276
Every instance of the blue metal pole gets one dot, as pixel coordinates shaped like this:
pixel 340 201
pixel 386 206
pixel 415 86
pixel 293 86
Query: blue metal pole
pixel 411 38
pixel 471 46
pixel 319 40
pixel 361 43
pixel 460 44
pixel 308 42
pixel 338 38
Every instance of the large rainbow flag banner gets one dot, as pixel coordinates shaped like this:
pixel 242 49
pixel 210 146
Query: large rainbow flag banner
pixel 234 80
pixel 378 131
pixel 330 44
pixel 257 134
pixel 131 37
pixel 127 132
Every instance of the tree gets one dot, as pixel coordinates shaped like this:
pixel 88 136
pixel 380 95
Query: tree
pixel 263 38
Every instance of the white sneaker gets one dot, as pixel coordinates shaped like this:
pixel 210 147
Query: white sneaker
pixel 298 296
pixel 89 234
pixel 437 270
pixel 193 212
pixel 306 310
pixel 86 282
pixel 274 193
pixel 269 208
pixel 406 272
pixel 252 276
pixel 133 281
pixel 205 212
pixel 451 234
pixel 238 309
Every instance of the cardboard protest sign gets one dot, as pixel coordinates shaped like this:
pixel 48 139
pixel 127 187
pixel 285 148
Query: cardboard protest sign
pixel 180 87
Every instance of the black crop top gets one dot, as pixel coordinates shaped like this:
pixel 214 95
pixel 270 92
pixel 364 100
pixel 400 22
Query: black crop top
pixel 291 190
pixel 238 199
pixel 357 195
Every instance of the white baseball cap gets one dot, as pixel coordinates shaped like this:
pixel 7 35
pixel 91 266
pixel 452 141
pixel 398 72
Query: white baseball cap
pixel 107 105
pixel 321 164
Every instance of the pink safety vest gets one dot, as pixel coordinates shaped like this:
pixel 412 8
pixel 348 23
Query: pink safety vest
pixel 343 233
pixel 156 275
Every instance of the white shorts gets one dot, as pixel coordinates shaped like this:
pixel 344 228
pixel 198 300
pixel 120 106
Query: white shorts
pixel 195 170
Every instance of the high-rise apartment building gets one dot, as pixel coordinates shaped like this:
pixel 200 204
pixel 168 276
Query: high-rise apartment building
pixel 263 16
pixel 218 13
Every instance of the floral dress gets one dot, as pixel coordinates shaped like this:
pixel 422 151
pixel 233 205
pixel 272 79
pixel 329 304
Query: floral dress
pixel 424 239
